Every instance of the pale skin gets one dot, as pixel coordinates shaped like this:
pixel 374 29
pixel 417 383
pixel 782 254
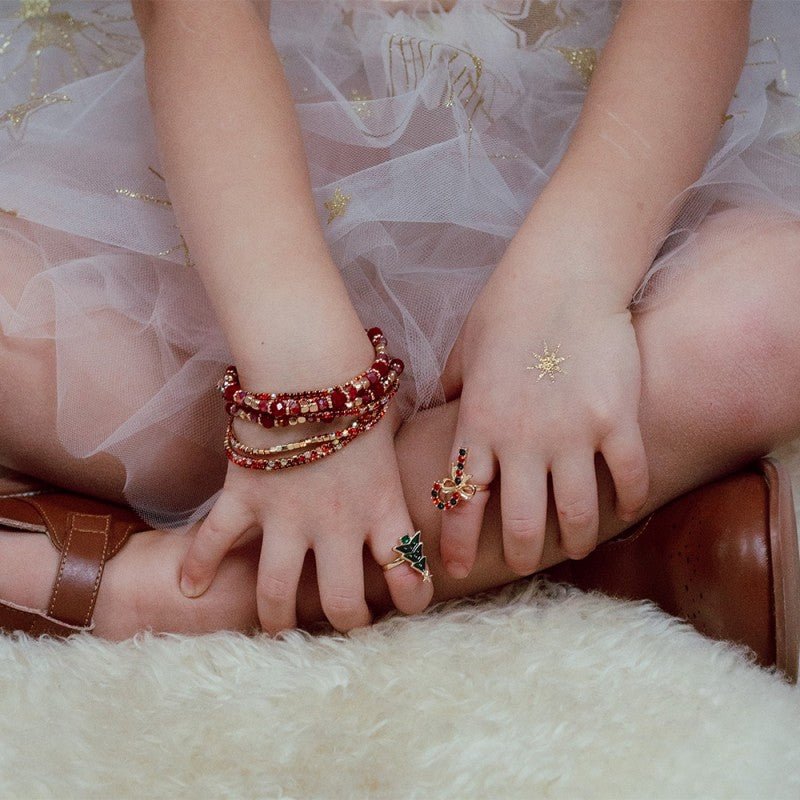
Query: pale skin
pixel 617 396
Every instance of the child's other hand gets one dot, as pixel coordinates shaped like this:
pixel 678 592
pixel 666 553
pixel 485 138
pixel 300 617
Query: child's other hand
pixel 530 415
pixel 333 507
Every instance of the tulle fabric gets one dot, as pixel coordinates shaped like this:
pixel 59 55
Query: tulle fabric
pixel 429 135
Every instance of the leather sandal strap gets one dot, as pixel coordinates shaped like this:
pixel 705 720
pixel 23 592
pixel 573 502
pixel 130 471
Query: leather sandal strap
pixel 82 561
pixel 87 532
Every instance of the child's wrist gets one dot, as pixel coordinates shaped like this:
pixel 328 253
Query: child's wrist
pixel 319 350
pixel 572 241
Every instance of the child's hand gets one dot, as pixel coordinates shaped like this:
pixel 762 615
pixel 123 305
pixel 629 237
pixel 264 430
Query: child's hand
pixel 531 414
pixel 332 507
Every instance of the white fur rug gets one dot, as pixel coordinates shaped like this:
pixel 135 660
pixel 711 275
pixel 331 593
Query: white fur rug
pixel 536 692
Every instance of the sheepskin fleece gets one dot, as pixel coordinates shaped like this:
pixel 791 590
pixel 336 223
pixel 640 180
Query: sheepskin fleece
pixel 538 691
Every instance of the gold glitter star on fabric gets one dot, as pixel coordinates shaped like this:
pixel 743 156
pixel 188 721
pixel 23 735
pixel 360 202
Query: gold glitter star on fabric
pixel 583 60
pixel 534 21
pixel 549 362
pixel 16 116
pixel 337 205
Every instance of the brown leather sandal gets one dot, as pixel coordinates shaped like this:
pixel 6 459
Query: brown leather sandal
pixel 87 532
pixel 724 557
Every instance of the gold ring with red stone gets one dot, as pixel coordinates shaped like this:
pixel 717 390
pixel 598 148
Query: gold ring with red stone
pixel 448 492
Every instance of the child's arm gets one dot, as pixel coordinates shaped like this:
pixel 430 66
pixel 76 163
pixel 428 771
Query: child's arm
pixel 651 115
pixel 235 168
pixel 236 172
pixel 650 118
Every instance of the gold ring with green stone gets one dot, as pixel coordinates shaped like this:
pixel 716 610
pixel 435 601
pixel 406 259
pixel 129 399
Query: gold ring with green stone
pixel 410 552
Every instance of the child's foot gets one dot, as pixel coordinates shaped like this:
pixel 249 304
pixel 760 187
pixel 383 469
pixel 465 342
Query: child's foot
pixel 139 588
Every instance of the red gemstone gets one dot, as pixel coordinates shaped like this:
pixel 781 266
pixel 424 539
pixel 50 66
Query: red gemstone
pixel 378 389
pixel 229 391
pixel 293 407
pixel 338 399
pixel 373 332
pixel 382 367
pixel 265 420
pixel 373 376
pixel 352 392
pixel 397 365
pixel 278 408
pixel 263 405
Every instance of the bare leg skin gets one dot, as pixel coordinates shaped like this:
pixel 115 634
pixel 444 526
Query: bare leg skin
pixel 721 360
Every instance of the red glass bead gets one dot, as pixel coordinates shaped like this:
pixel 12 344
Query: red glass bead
pixel 397 365
pixel 373 332
pixel 338 398
pixel 373 376
pixel 277 408
pixel 378 389
pixel 265 420
pixel 293 407
pixel 229 391
pixel 352 392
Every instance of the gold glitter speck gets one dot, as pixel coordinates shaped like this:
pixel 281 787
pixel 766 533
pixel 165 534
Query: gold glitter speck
pixel 149 198
pixel 337 205
pixel 359 103
pixel 583 61
pixel 33 8
pixel 549 362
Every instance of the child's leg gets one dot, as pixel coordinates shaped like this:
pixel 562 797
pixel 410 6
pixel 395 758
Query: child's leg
pixel 721 360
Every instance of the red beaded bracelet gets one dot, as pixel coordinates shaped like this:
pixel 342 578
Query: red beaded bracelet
pixel 366 397
pixel 316 405
pixel 248 457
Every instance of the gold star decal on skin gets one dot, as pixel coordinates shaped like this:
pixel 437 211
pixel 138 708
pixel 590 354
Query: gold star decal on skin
pixel 337 205
pixel 549 362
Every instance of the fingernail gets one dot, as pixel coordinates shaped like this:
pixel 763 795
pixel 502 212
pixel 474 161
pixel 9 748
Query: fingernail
pixel 188 589
pixel 631 516
pixel 457 570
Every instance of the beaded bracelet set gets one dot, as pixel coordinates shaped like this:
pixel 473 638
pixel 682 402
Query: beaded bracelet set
pixel 365 397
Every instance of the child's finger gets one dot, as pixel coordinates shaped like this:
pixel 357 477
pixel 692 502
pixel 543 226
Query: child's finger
pixel 462 520
pixel 523 506
pixel 226 523
pixel 411 591
pixel 575 494
pixel 279 570
pixel 625 456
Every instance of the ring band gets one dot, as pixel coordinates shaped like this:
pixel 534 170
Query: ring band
pixel 450 491
pixel 410 551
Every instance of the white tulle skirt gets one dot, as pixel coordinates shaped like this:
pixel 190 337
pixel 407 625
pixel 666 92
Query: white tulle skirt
pixel 429 135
